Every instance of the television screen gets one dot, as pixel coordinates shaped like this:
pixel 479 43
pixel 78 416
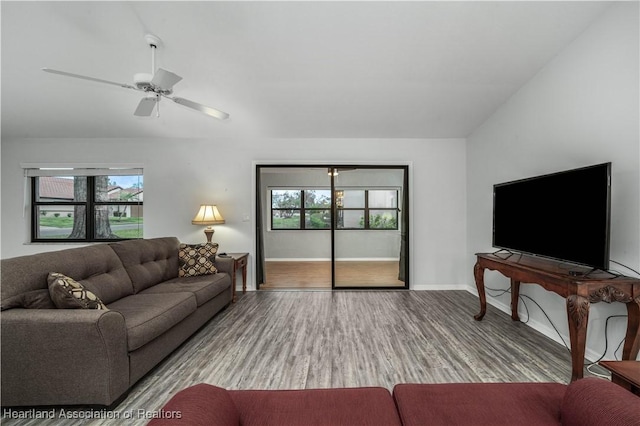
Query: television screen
pixel 564 216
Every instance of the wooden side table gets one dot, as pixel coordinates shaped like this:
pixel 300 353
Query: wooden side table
pixel 625 374
pixel 240 262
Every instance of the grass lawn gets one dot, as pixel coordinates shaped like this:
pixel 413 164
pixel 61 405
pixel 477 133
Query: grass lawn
pixel 67 222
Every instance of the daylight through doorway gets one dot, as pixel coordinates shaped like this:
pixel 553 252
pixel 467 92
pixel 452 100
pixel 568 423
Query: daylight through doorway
pixel 331 227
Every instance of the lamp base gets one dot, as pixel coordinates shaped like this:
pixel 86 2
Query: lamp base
pixel 208 231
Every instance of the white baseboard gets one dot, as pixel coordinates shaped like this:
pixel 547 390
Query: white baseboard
pixel 428 287
pixel 341 259
pixel 296 259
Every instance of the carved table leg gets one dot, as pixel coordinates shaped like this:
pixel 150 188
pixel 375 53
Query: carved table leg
pixel 515 295
pixel 632 341
pixel 478 273
pixel 578 315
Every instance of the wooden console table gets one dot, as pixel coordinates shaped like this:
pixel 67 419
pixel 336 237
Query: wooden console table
pixel 580 292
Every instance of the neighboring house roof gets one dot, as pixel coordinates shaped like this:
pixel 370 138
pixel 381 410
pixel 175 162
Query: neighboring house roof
pixel 56 188
pixel 60 188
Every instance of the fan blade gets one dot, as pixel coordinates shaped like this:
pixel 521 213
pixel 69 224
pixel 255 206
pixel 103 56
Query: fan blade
pixel 202 108
pixel 146 106
pixel 165 80
pixel 84 77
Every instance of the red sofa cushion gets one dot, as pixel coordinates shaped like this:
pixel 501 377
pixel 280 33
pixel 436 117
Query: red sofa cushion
pixel 597 402
pixel 369 406
pixel 199 405
pixel 490 404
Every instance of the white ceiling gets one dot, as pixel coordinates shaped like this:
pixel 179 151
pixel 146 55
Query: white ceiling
pixel 281 69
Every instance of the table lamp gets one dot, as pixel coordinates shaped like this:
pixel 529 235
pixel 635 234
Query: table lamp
pixel 208 215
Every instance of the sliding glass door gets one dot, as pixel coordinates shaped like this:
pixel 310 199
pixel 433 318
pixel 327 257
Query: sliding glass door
pixel 340 227
pixel 293 227
pixel 369 232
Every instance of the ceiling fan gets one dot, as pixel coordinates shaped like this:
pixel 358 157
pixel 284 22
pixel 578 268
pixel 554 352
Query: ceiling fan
pixel 157 85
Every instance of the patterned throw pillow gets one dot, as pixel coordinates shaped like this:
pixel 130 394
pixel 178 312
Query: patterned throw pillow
pixel 197 259
pixel 67 293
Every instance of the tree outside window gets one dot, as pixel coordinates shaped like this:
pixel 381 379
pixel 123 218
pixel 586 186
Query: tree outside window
pixel 367 209
pixel 87 208
pixel 300 209
pixel 372 209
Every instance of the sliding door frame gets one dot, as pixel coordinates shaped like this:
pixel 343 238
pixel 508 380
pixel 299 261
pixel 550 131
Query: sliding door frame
pixel 405 210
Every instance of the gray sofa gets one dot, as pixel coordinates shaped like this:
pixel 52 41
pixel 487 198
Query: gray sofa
pixel 56 356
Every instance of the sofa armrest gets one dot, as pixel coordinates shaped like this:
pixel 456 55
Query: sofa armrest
pixel 225 264
pixel 199 405
pixel 63 356
pixel 599 402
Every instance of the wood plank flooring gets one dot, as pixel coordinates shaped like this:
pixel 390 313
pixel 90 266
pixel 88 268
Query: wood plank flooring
pixel 317 274
pixel 321 339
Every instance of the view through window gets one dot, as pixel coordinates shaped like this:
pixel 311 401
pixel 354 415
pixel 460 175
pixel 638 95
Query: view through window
pixel 300 209
pixel 86 208
pixel 356 209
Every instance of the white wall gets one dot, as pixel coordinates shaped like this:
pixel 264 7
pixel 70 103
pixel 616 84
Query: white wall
pixel 581 109
pixel 180 174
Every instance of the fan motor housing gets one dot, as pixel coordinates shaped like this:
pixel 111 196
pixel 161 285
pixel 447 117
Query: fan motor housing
pixel 142 80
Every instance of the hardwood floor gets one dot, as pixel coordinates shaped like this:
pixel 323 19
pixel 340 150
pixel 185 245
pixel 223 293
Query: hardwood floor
pixel 317 274
pixel 320 339
pixel 300 274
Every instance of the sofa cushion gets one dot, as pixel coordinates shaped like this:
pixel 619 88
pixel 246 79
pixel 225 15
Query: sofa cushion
pixel 35 299
pixel 147 316
pixel 490 404
pixel 197 259
pixel 96 267
pixel 204 287
pixel 109 286
pixel 199 405
pixel 148 262
pixel 316 407
pixel 67 293
pixel 598 402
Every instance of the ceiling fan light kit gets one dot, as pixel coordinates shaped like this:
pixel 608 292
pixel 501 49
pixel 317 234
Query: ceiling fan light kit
pixel 157 85
pixel 142 80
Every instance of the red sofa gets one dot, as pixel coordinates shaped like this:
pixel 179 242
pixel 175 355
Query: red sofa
pixel 585 402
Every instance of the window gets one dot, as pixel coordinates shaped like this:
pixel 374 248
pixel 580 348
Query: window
pixel 300 209
pixel 356 209
pixel 367 209
pixel 79 205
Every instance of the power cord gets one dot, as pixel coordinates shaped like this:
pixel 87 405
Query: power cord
pixel 606 324
pixel 606 347
pixel 500 292
pixel 625 266
pixel 619 345
pixel 521 298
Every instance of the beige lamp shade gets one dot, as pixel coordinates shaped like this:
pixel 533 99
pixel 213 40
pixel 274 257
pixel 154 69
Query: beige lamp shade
pixel 208 215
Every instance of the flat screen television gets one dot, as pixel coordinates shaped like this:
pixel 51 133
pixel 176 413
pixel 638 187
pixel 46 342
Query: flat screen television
pixel 563 216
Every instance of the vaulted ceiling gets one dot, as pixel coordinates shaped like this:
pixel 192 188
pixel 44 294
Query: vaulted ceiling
pixel 324 69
